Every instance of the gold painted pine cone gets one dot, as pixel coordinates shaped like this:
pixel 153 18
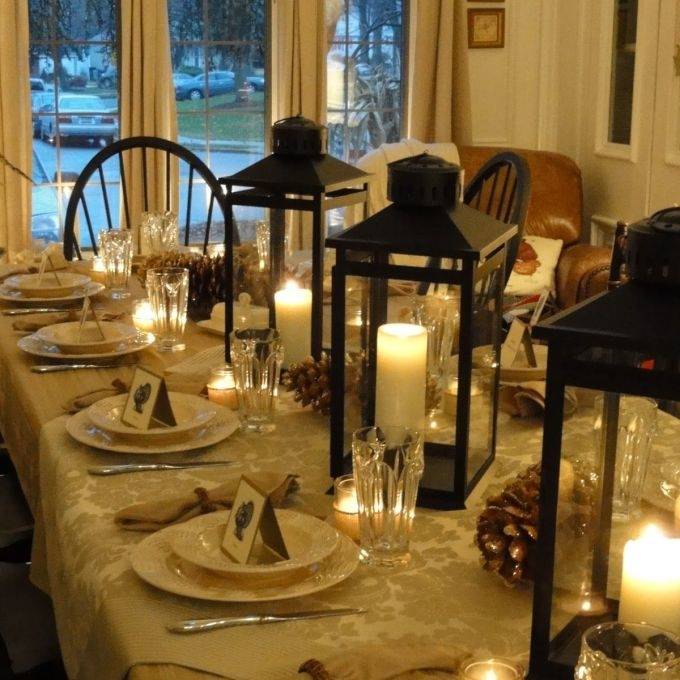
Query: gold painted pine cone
pixel 311 382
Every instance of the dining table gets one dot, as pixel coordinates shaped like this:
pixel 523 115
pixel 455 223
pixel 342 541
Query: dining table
pixel 112 625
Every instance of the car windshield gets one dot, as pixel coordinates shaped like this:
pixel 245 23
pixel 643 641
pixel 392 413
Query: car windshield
pixel 81 104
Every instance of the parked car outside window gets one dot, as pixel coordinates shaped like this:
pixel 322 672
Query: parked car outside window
pixel 219 82
pixel 38 85
pixel 79 116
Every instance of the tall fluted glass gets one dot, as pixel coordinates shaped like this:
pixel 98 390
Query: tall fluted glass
pixel 388 464
pixel 159 232
pixel 168 291
pixel 257 355
pixel 116 250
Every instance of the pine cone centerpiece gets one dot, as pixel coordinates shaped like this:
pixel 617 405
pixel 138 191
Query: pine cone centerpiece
pixel 507 529
pixel 311 381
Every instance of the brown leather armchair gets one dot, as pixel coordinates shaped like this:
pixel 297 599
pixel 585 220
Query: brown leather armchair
pixel 555 211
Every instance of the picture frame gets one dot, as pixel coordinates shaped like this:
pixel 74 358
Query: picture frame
pixel 486 28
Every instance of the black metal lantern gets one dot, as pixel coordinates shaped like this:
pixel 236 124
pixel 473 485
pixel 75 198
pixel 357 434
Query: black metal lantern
pixel 384 273
pixel 299 175
pixel 623 345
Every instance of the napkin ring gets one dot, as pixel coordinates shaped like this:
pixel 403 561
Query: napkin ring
pixel 315 669
pixel 204 503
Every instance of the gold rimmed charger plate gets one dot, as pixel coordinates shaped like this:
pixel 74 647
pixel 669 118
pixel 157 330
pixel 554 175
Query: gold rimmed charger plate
pixel 154 561
pixel 36 346
pixel 191 412
pixel 83 430
pixel 309 541
pixel 8 294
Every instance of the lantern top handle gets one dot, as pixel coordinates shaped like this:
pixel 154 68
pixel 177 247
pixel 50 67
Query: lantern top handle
pixel 423 181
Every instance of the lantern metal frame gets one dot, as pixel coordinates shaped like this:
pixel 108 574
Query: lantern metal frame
pixel 313 185
pixel 476 244
pixel 637 321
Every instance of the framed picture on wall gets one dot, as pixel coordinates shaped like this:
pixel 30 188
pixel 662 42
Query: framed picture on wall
pixel 486 28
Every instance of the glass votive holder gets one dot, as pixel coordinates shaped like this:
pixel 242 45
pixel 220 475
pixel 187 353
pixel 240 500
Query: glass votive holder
pixel 492 669
pixel 346 506
pixel 116 247
pixel 628 651
pixel 98 270
pixel 142 316
pixel 222 388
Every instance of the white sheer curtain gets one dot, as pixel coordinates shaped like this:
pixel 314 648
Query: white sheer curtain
pixel 15 127
pixel 147 98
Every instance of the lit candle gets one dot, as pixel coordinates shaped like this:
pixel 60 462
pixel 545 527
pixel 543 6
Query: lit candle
pixel 222 388
pixel 98 270
pixel 346 506
pixel 400 375
pixel 294 321
pixel 142 316
pixel 650 585
pixel 492 669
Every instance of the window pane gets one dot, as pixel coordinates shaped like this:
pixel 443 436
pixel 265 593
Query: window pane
pixel 623 71
pixel 236 20
pixel 364 75
pixel 186 20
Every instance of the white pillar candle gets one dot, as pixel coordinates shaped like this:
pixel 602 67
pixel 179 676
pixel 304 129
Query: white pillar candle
pixel 400 375
pixel 650 585
pixel 294 321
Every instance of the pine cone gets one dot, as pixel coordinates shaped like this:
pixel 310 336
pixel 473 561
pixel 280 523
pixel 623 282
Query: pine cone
pixel 311 382
pixel 507 529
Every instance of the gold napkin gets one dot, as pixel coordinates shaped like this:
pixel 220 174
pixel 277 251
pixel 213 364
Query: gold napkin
pixel 85 400
pixel 527 399
pixel 34 322
pixel 156 514
pixel 388 662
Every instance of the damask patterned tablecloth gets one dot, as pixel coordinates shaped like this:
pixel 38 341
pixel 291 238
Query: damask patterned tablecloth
pixel 109 620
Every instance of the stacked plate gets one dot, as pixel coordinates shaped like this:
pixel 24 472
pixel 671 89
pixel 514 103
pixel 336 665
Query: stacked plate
pixel 69 341
pixel 187 559
pixel 200 423
pixel 31 288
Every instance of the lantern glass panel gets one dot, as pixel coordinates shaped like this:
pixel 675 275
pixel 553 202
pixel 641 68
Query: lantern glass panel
pixel 609 492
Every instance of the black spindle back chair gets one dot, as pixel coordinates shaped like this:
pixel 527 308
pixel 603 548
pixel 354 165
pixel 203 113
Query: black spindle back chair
pixel 501 189
pixel 196 167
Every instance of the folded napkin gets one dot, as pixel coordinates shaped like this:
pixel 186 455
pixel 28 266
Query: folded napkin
pixel 34 322
pixel 192 375
pixel 156 514
pixel 388 662
pixel 527 399
pixel 85 400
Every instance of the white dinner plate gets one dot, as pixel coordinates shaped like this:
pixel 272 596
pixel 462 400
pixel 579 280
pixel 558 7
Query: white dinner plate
pixel 154 562
pixel 212 326
pixel 8 294
pixel 308 540
pixel 33 344
pixel 47 286
pixel 83 430
pixel 71 339
pixel 191 412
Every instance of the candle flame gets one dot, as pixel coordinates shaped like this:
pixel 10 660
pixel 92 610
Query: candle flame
pixel 490 675
pixel 291 285
pixel 586 606
pixel 652 533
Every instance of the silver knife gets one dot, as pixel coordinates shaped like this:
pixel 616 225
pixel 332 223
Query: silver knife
pixel 105 470
pixel 200 625
pixel 35 310
pixel 57 368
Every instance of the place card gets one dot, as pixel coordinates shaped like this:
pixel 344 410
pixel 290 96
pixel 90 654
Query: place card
pixel 252 512
pixel 519 334
pixel 148 401
pixel 44 260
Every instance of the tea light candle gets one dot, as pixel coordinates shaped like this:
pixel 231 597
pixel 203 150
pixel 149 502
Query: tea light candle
pixel 346 506
pixel 142 316
pixel 98 270
pixel 222 388
pixel 650 585
pixel 294 321
pixel 492 669
pixel 400 375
